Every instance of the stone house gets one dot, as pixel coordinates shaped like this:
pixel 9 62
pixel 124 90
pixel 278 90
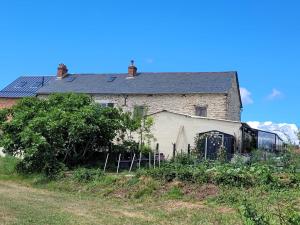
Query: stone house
pixel 183 104
pixel 205 94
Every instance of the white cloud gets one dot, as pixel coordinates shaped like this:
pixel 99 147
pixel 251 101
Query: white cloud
pixel 275 94
pixel 246 96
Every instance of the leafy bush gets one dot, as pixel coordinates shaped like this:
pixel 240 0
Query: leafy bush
pixel 63 130
pixel 86 175
pixel 251 216
pixel 223 174
pixel 184 159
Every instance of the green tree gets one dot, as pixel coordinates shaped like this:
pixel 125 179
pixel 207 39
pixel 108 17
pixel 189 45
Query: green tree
pixel 66 129
pixel 143 124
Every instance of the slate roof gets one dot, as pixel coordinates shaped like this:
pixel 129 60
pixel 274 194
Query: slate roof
pixel 143 83
pixel 120 83
pixel 24 86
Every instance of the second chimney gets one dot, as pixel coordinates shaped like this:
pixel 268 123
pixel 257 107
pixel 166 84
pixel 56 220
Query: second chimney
pixel 62 71
pixel 132 70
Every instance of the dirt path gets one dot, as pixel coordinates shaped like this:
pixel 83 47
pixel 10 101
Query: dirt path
pixel 20 204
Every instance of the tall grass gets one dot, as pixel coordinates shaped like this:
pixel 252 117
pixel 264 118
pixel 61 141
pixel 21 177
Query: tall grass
pixel 8 165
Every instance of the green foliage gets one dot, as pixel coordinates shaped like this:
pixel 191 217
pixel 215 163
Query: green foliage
pixel 63 130
pixel 184 159
pixel 87 175
pixel 251 216
pixel 224 174
pixel 8 165
pixel 175 193
pixel 145 187
pixel 143 123
pixel 199 142
pixel 221 154
pixel 4 113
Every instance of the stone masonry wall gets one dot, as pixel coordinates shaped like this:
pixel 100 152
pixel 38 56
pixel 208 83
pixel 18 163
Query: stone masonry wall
pixel 216 103
pixel 234 105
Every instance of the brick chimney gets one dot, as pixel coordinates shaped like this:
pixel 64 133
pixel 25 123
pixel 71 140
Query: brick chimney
pixel 132 70
pixel 62 71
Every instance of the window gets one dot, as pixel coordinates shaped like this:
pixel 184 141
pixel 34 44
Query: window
pixel 139 111
pixel 105 103
pixel 201 111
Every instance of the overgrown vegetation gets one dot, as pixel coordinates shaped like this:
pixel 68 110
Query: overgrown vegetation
pixel 236 175
pixel 58 137
pixel 62 131
pixel 257 193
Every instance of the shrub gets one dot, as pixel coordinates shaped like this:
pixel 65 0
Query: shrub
pixel 223 174
pixel 64 129
pixel 251 216
pixel 184 159
pixel 86 175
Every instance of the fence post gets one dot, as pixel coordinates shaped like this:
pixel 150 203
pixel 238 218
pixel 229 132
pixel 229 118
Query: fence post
pixel 119 163
pixel 205 150
pixel 140 160
pixel 149 159
pixel 154 155
pixel 174 150
pixel 105 162
pixel 189 149
pixel 132 162
pixel 157 149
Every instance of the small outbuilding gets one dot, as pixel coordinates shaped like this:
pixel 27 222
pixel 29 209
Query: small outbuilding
pixel 211 142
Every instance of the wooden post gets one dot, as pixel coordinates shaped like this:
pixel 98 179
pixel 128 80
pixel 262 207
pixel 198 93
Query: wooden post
pixel 157 149
pixel 149 159
pixel 174 150
pixel 119 163
pixel 132 162
pixel 205 150
pixel 140 159
pixel 105 162
pixel 154 154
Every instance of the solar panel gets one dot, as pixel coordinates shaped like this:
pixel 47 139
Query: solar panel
pixel 111 78
pixel 70 79
pixel 21 84
pixel 36 84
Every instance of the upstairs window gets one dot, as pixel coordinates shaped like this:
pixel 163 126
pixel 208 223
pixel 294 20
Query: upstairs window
pixel 105 103
pixel 201 111
pixel 139 111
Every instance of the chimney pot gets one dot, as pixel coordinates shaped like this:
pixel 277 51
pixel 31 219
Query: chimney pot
pixel 132 70
pixel 62 71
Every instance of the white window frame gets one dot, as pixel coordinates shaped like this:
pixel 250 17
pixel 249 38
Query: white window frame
pixel 105 103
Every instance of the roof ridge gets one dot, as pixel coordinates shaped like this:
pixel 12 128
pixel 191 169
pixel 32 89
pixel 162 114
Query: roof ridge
pixel 192 72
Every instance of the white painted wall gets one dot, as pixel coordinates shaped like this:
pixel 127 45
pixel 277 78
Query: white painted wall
pixel 181 129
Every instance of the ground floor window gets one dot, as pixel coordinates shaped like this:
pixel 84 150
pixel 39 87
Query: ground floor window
pixel 105 103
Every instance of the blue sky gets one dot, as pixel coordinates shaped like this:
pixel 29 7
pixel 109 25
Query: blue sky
pixel 259 39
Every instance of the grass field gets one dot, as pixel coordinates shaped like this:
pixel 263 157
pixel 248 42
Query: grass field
pixel 123 199
pixel 22 204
